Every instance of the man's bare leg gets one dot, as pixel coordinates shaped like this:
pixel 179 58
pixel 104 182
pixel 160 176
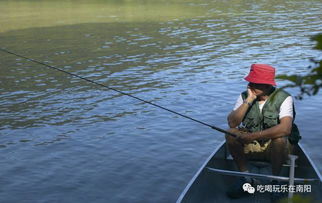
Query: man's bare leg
pixel 278 154
pixel 236 149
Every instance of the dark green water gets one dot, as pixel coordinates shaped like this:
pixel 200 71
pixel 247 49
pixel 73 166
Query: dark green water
pixel 64 140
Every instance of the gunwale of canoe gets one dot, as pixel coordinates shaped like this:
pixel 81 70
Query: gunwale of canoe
pixel 208 186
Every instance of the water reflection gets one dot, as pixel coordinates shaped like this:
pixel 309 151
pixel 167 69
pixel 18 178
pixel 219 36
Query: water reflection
pixel 191 59
pixel 40 13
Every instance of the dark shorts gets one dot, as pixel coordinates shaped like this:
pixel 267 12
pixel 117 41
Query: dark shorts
pixel 265 154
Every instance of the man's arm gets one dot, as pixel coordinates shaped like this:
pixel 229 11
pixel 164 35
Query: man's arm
pixel 236 116
pixel 284 128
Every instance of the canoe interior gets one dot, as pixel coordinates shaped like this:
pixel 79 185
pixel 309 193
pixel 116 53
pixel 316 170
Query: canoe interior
pixel 208 186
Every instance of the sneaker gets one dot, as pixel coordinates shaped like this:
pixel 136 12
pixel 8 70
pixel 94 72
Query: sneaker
pixel 236 190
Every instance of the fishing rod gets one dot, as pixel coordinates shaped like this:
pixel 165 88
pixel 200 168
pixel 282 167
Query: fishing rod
pixel 121 92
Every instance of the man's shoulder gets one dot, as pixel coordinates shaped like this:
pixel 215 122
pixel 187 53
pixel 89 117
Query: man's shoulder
pixel 282 91
pixel 279 96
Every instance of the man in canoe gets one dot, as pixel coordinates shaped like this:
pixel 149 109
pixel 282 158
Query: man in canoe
pixel 262 119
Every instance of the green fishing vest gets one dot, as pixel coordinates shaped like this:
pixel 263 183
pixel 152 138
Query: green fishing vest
pixel 255 121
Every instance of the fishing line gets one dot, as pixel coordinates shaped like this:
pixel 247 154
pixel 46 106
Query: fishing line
pixel 121 92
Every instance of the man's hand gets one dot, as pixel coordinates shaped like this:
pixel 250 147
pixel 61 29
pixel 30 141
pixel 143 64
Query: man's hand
pixel 251 95
pixel 245 138
pixel 236 116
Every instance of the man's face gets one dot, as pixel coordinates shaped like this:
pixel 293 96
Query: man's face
pixel 259 89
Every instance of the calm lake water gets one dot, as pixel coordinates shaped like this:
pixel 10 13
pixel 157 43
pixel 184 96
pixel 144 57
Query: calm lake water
pixel 65 140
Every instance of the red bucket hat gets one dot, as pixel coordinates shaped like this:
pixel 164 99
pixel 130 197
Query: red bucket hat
pixel 261 74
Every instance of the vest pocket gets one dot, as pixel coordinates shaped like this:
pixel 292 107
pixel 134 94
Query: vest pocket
pixel 270 120
pixel 250 124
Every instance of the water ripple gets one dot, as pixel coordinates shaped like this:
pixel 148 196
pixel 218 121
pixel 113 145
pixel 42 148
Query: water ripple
pixel 52 124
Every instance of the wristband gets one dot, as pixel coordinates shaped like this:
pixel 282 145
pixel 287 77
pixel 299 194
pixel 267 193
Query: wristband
pixel 248 103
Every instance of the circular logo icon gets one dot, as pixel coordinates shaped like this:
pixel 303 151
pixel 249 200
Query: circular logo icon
pixel 248 187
